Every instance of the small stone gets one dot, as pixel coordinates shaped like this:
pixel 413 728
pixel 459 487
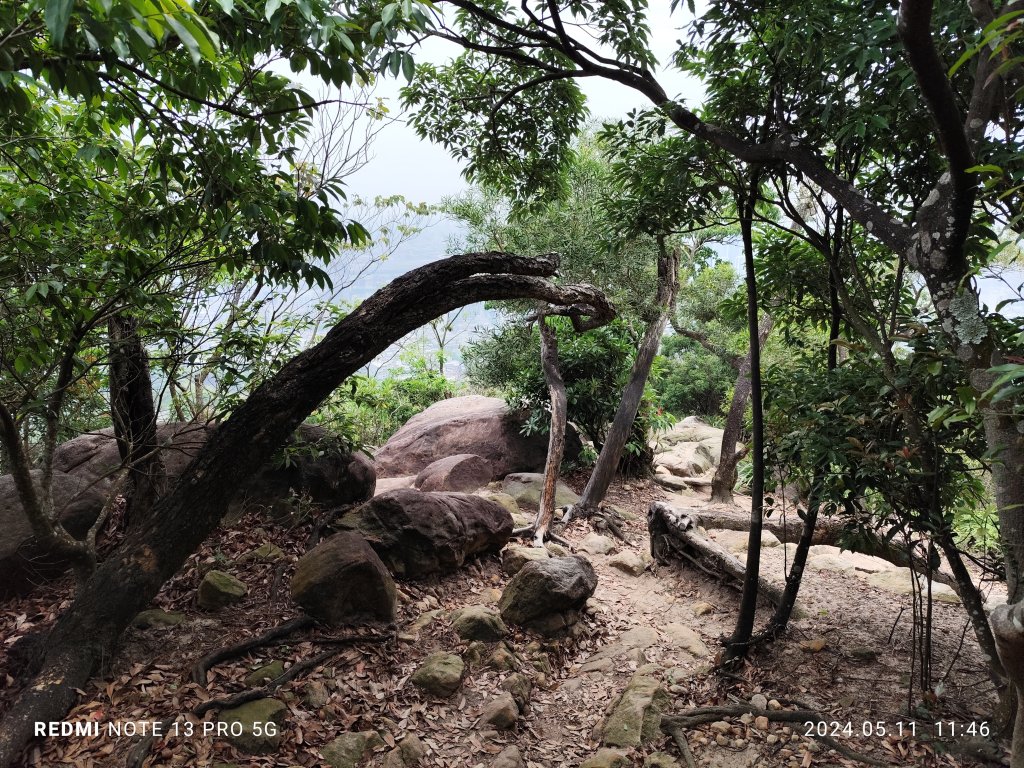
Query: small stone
pixel 254 719
pixel 440 674
pixel 761 723
pixel 556 550
pixel 722 740
pixel 218 589
pixel 702 609
pixel 502 659
pixel 772 738
pixel 154 617
pixel 721 726
pixel 412 748
pixel 746 718
pixel 739 743
pixel 316 694
pixel 759 701
pixel 267 672
pixel 660 760
pixel 478 622
pixel 350 749
pixel 501 712
pixel 519 685
pixel 863 653
pixel 596 544
pixel 264 553
pixel 774 704
pixel 630 562
pixel 509 757
pixel 606 758
pixel 686 638
pixel 515 556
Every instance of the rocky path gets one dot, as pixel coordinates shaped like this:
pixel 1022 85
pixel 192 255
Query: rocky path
pixel 456 688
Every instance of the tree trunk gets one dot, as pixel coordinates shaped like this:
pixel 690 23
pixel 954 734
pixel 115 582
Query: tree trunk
pixel 725 476
pixel 86 634
pixel 737 644
pixel 135 418
pixel 618 435
pixel 556 431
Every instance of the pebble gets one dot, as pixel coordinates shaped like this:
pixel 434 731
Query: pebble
pixel 721 740
pixel 759 700
pixel 746 718
pixel 774 704
pixel 761 723
pixel 772 738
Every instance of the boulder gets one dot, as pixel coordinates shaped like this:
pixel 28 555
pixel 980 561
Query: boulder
pixel 483 426
pixel 901 582
pixel 520 686
pixel 690 448
pixel 218 589
pixel 312 464
pixel 343 581
pixel 526 487
pixel 440 674
pixel 407 753
pixel 547 594
pixel 23 562
pixel 420 534
pixel 607 758
pixel 261 723
pixel 636 717
pixel 462 473
pixel 262 674
pixel 515 556
pixel 686 638
pixel 479 622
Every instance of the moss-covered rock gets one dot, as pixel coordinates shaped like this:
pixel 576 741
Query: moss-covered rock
pixel 218 589
pixel 440 674
pixel 261 723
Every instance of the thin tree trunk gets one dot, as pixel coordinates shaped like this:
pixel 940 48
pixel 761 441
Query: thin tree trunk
pixel 86 634
pixel 622 425
pixel 135 418
pixel 556 432
pixel 724 479
pixel 737 644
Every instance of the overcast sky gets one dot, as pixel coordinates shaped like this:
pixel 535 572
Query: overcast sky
pixel 404 164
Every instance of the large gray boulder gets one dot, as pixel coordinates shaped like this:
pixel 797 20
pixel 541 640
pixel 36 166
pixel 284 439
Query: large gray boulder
pixel 419 534
pixel 526 488
pixel 547 595
pixel 312 466
pixel 22 561
pixel 343 581
pixel 690 448
pixel 462 473
pixel 473 424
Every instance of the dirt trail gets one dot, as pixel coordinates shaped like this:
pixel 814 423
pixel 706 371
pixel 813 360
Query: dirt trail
pixel 847 658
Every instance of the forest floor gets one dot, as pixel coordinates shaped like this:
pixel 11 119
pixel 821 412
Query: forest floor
pixel 848 657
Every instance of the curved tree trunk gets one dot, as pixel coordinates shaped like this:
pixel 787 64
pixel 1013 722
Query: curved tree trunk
pixel 725 476
pixel 86 634
pixel 618 435
pixel 556 432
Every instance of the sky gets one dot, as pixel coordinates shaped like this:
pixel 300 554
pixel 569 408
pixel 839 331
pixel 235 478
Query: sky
pixel 402 163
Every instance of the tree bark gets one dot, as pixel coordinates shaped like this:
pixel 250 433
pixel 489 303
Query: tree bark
pixel 135 419
pixel 556 431
pixel 738 642
pixel 618 435
pixel 725 476
pixel 86 634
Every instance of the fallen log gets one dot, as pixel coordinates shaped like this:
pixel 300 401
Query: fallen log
pixel 674 534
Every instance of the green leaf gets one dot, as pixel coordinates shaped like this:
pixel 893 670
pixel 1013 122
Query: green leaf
pixel 408 66
pixel 271 8
pixel 58 14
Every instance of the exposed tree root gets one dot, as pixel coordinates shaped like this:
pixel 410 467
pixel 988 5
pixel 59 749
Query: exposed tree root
pixel 234 651
pixel 705 715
